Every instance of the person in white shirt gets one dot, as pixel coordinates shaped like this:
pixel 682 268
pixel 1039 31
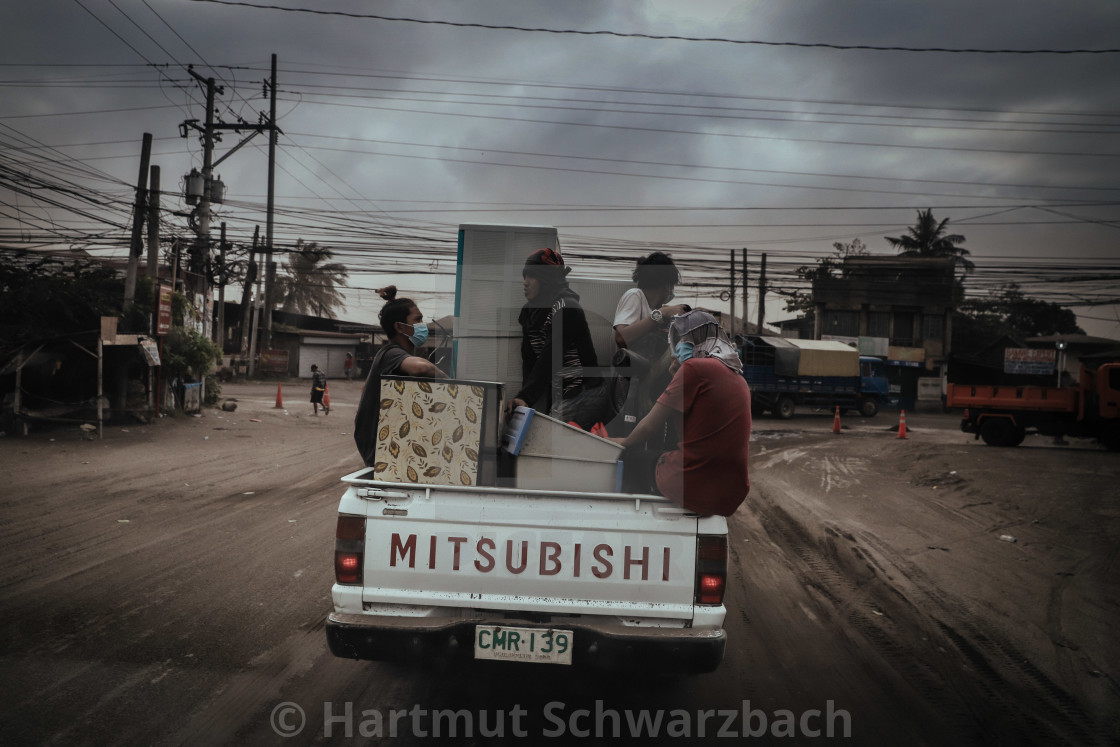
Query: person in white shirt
pixel 642 318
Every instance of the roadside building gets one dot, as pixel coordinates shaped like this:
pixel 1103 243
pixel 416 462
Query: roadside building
pixel 897 308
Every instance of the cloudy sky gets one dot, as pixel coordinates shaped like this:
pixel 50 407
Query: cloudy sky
pixel 697 127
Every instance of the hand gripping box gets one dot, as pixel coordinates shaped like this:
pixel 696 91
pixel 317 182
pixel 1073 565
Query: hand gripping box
pixel 438 432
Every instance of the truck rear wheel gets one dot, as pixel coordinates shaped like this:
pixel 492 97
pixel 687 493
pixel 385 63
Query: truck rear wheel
pixel 868 408
pixel 784 408
pixel 1001 432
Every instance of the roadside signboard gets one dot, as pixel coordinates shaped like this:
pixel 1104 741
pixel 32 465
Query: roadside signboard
pixel 1029 360
pixel 163 315
pixel 150 350
pixel 274 361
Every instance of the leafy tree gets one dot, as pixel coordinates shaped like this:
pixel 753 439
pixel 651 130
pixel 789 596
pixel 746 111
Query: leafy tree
pixel 830 266
pixel 1007 311
pixel 187 352
pixel 312 281
pixel 928 238
pixel 41 296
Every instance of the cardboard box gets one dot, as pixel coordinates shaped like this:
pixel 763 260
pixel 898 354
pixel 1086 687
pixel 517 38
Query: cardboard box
pixel 441 432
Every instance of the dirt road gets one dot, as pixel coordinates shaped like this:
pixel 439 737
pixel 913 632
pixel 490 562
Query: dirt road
pixel 169 584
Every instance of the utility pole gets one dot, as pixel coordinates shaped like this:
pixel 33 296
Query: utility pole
pixel 175 260
pixel 762 294
pixel 210 134
pixel 270 266
pixel 153 223
pixel 246 297
pixel 201 252
pixel 204 203
pixel 745 314
pixel 136 245
pixel 255 312
pixel 220 332
pixel 731 305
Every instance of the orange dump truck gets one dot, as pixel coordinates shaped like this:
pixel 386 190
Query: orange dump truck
pixel 1002 414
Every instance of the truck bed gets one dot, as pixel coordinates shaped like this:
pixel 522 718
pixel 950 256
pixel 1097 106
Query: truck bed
pixel 524 550
pixel 541 576
pixel 763 379
pixel 1003 397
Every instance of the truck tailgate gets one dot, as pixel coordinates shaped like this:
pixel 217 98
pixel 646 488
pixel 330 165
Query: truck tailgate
pixel 524 550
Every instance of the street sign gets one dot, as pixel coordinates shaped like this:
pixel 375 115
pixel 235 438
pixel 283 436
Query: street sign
pixel 1028 360
pixel 163 314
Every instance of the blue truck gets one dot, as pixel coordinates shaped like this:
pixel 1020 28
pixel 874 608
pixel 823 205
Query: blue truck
pixel 784 373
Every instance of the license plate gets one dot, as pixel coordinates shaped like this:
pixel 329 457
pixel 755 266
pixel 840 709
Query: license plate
pixel 533 645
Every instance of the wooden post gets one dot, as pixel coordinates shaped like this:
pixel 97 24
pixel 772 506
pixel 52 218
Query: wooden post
pixel 221 332
pixel 17 400
pixel 745 315
pixel 731 305
pixel 153 223
pixel 762 294
pixel 137 244
pixel 100 387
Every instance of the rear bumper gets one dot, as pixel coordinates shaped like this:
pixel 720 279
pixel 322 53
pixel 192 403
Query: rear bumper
pixel 596 644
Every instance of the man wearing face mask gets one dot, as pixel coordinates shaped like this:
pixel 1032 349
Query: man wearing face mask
pixel 710 403
pixel 403 324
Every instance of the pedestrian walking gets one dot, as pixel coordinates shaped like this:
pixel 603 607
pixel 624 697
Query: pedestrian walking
pixel 318 389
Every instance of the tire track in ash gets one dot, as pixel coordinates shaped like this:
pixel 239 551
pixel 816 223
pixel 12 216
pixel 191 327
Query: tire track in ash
pixel 1011 700
pixel 851 591
pixel 864 592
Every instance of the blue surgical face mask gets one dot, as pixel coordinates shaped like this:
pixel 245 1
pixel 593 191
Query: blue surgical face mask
pixel 419 334
pixel 683 350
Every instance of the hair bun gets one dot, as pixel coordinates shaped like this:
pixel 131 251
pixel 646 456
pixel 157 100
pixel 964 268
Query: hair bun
pixel 389 292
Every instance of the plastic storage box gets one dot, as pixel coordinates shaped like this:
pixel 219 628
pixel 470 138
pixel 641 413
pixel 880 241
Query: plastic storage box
pixel 552 455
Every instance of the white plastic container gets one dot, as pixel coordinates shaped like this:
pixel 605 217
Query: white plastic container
pixel 563 473
pixel 552 455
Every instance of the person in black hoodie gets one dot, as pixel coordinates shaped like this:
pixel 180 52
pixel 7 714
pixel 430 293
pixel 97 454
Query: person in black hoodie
pixel 557 355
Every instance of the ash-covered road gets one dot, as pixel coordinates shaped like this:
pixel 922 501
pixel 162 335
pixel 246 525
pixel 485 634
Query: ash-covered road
pixel 169 584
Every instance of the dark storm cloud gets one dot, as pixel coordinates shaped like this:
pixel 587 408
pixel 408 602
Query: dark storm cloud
pixel 763 111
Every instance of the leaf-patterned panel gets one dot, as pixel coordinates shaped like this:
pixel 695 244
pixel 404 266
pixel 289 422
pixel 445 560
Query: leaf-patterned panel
pixel 429 432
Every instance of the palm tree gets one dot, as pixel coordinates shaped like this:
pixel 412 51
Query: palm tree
pixel 927 238
pixel 311 283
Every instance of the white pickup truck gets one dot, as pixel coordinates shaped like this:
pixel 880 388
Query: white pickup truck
pixel 521 575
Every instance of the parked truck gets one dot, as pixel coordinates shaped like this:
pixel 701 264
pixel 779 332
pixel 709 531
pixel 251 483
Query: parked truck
pixel 537 561
pixel 1003 414
pixel 784 373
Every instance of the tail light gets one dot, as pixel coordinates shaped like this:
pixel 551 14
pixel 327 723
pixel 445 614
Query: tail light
pixel 711 568
pixel 349 549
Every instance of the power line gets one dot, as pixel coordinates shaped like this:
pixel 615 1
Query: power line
pixel 693 165
pixel 660 37
pixel 709 111
pixel 781 138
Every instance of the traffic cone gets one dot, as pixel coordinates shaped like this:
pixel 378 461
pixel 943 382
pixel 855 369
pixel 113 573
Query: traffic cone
pixel 902 423
pixel 326 399
pixel 279 398
pixel 836 420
